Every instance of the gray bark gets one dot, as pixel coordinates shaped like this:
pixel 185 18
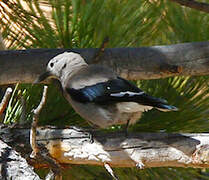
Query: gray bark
pixel 13 166
pixel 73 146
pixel 131 63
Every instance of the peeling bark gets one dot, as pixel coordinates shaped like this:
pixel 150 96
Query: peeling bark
pixel 131 63
pixel 73 146
pixel 13 166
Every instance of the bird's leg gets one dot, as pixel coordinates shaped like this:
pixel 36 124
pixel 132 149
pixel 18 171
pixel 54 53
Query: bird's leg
pixel 91 131
pixel 126 128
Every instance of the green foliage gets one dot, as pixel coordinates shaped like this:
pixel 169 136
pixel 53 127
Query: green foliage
pixel 13 112
pixel 96 172
pixel 189 94
pixel 77 23
pixel 85 23
pixel 186 25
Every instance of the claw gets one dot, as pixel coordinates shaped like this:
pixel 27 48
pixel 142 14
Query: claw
pixel 140 165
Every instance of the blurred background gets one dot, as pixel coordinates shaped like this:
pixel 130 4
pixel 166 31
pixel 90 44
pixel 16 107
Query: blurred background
pixel 28 24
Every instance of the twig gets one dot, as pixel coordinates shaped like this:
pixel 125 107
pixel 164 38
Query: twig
pixel 5 100
pixel 36 113
pixel 43 153
pixel 55 171
pixel 100 51
pixel 110 171
pixel 201 6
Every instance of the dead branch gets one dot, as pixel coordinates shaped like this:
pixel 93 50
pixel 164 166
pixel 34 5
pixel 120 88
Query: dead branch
pixel 201 6
pixel 143 150
pixel 33 130
pixel 153 62
pixel 110 171
pixel 43 153
pixel 5 100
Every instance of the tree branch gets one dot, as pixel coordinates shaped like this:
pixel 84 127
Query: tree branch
pixel 73 146
pixel 201 6
pixel 131 63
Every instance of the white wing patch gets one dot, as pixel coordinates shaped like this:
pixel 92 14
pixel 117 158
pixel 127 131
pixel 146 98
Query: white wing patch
pixel 129 93
pixel 131 107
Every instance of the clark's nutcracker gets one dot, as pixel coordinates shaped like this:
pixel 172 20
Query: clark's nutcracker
pixel 98 94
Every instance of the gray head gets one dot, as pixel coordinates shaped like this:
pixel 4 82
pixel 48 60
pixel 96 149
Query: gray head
pixel 62 65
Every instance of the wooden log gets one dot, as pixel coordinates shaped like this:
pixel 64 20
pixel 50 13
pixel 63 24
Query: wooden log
pixel 74 146
pixel 187 59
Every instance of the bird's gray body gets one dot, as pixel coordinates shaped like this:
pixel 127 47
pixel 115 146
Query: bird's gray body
pixel 99 115
pixel 98 94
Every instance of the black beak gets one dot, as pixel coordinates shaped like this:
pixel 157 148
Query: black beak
pixel 42 77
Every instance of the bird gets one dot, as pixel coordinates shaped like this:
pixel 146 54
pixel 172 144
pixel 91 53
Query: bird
pixel 98 94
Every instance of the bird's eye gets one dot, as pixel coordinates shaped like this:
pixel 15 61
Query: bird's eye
pixel 51 65
pixel 63 67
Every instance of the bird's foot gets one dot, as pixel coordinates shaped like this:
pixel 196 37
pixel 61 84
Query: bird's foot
pixel 91 138
pixel 140 165
pixel 87 132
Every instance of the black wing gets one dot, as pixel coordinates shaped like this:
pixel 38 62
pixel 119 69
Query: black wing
pixel 115 90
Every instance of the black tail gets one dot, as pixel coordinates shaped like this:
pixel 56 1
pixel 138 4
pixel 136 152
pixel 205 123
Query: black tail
pixel 158 103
